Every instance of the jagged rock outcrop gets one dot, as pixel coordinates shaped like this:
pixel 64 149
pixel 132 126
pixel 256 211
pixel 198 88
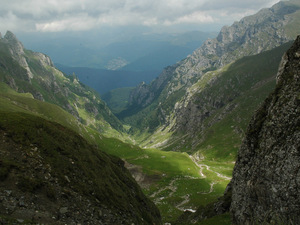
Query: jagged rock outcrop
pixel 266 177
pixel 17 52
pixel 251 35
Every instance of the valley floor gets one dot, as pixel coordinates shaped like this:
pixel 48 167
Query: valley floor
pixel 188 192
pixel 175 181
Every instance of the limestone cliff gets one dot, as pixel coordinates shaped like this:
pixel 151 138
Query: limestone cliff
pixel 266 177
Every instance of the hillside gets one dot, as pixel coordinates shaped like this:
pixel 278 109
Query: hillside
pixel 30 72
pixel 53 169
pixel 49 174
pixel 170 104
pixel 117 99
pixel 214 113
pixel 171 179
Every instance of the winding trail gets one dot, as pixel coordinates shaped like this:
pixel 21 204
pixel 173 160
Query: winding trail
pixel 201 166
pixel 211 188
pixel 170 187
pixel 186 198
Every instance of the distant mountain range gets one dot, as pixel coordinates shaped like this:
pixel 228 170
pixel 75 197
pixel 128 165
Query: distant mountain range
pixel 136 51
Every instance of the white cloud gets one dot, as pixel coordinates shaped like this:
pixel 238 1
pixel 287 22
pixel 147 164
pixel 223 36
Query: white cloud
pixel 195 17
pixel 74 15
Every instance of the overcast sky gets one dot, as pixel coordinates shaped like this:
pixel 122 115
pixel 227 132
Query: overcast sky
pixel 83 15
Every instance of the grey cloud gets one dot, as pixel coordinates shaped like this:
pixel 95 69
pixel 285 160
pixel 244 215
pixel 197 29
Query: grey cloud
pixel 237 4
pixel 58 15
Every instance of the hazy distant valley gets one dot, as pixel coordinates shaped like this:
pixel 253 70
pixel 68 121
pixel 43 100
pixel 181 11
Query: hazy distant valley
pixel 133 50
pixel 84 139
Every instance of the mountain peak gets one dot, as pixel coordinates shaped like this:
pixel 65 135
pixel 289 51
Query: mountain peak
pixel 17 52
pixel 17 48
pixel 11 38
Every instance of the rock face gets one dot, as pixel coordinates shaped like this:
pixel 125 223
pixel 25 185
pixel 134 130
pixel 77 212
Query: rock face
pixel 266 177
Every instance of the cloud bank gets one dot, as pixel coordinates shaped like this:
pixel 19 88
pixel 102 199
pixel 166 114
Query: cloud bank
pixel 80 15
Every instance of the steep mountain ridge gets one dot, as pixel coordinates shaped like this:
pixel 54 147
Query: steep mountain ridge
pixel 151 107
pixel 265 183
pixel 27 71
pixel 222 102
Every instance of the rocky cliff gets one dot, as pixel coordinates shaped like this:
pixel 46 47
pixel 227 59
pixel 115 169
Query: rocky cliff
pixel 265 183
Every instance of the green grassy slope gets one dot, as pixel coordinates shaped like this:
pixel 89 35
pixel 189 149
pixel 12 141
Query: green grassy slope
pixel 12 101
pixel 171 179
pixel 117 99
pixel 77 167
pixel 50 85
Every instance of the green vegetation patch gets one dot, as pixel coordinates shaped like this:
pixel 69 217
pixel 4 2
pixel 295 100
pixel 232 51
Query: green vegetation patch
pixel 224 219
pixel 178 184
pixel 117 99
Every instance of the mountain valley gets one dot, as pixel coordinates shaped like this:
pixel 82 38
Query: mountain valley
pixel 166 151
pixel 157 107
